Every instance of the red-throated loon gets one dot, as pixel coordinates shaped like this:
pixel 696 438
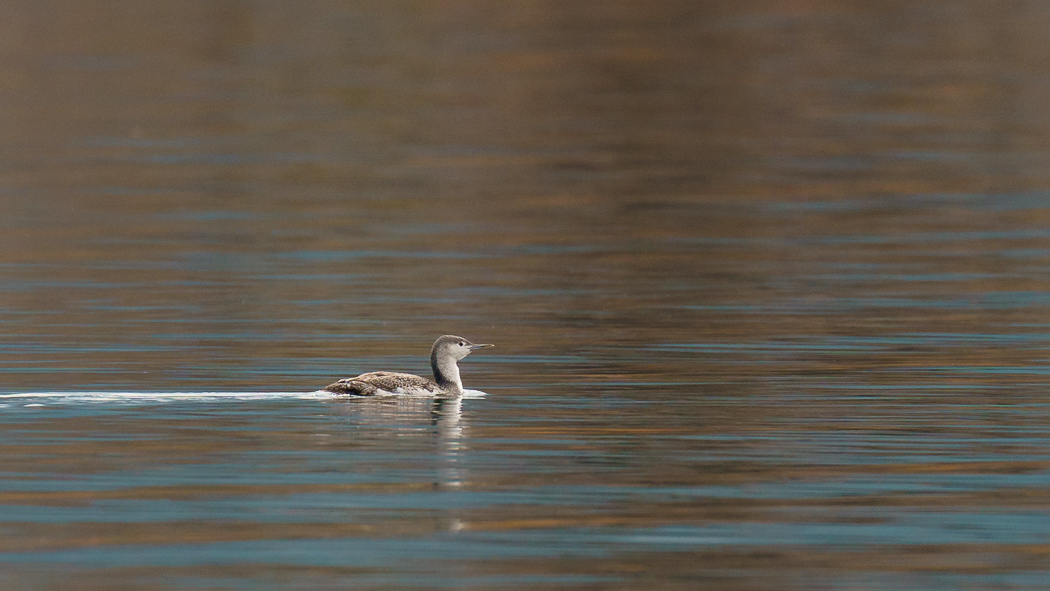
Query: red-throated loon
pixel 447 350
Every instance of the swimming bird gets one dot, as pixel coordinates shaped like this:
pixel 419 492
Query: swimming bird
pixel 447 350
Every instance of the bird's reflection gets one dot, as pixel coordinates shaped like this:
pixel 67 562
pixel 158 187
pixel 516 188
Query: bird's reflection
pixel 397 421
pixel 446 415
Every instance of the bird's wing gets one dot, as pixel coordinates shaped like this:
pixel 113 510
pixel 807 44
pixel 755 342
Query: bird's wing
pixel 393 382
pixel 370 384
pixel 352 387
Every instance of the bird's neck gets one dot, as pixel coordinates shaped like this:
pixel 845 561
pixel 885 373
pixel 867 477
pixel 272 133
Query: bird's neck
pixel 446 372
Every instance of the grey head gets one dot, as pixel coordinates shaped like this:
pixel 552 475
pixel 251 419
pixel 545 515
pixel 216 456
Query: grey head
pixel 447 350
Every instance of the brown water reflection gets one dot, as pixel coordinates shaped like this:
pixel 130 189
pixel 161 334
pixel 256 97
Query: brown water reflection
pixel 767 283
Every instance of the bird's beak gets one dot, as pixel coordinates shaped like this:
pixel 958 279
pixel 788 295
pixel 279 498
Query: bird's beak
pixel 476 347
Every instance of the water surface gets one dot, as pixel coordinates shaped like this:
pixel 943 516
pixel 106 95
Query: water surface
pixel 768 285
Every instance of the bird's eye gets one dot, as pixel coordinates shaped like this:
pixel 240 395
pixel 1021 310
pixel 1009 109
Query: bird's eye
pixel 462 344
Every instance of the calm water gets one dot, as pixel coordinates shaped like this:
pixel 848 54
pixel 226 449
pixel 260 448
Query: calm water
pixel 769 285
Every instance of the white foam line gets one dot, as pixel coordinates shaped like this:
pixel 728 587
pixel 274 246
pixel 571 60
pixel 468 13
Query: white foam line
pixel 173 396
pixel 139 396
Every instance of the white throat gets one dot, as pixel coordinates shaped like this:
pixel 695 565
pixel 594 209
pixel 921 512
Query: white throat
pixel 453 375
pixel 447 370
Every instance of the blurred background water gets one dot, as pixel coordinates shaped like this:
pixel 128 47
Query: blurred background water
pixel 768 284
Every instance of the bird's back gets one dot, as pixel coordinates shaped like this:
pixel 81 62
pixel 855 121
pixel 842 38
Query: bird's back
pixel 384 382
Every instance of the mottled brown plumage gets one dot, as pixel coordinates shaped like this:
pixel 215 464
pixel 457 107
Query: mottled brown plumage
pixel 370 384
pixel 447 350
